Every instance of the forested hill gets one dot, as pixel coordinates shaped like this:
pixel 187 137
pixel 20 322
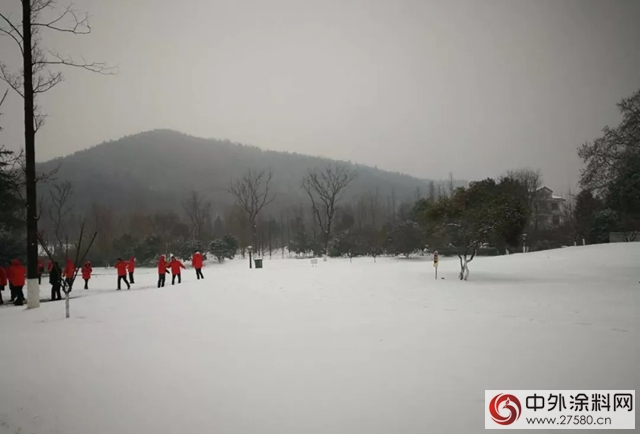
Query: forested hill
pixel 156 170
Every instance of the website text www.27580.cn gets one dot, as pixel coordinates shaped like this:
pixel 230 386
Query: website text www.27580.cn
pixel 559 409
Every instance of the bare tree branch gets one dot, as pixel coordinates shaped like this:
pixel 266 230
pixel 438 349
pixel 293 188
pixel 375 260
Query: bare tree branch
pixel 18 166
pixel 4 96
pixel 12 33
pixel 44 80
pixel 78 27
pixel 199 213
pixel 40 5
pixel 60 209
pixel 252 192
pixel 12 36
pixel 42 205
pixel 13 80
pixel 97 67
pixel 325 189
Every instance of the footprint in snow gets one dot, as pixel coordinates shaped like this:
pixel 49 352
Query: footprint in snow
pixel 620 330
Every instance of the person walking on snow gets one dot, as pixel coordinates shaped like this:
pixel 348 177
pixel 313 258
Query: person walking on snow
pixel 69 271
pixel 175 267
pixel 18 277
pixel 40 270
pixel 121 266
pixel 3 282
pixel 196 261
pixel 12 290
pixel 55 279
pixel 162 271
pixel 131 266
pixel 86 273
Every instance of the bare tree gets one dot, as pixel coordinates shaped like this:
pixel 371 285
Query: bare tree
pixel 34 78
pixel 530 180
pixel 375 208
pixel 198 212
pixel 361 212
pixel 252 194
pixel 102 220
pixel 44 177
pixel 451 184
pixel 282 244
pixel 417 194
pixel 11 206
pixel 393 205
pixel 325 189
pixel 432 192
pixel 60 210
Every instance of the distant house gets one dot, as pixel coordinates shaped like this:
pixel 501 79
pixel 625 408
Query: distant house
pixel 548 208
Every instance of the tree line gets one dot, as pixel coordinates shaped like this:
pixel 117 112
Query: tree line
pixel 492 216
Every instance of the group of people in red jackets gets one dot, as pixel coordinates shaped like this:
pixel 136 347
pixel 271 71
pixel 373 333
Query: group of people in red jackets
pixel 124 268
pixel 58 276
pixel 15 275
pixel 175 266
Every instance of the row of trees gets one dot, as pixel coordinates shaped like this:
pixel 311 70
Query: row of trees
pixel 463 220
pixel 496 214
pixel 489 212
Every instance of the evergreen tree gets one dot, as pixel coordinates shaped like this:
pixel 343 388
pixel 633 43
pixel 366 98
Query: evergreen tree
pixel 406 238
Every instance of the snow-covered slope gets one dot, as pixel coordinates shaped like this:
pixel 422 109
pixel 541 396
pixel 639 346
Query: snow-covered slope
pixel 345 347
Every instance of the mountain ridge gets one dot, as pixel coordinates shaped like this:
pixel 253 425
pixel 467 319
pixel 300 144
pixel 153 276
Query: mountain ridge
pixel 156 169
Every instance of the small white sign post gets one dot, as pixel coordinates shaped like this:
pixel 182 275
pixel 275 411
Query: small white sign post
pixel 435 263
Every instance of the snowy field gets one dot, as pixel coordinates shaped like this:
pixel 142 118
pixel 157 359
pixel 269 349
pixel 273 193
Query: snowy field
pixel 360 347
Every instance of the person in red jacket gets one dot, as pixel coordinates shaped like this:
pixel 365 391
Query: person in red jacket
pixel 49 266
pixel 12 290
pixel 162 271
pixel 40 270
pixel 18 274
pixel 121 266
pixel 69 272
pixel 175 267
pixel 3 282
pixel 131 266
pixel 196 261
pixel 86 273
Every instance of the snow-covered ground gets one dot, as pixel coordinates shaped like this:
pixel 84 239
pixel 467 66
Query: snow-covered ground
pixel 358 347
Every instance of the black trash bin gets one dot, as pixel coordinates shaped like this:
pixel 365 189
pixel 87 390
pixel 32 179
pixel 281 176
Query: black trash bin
pixel 258 263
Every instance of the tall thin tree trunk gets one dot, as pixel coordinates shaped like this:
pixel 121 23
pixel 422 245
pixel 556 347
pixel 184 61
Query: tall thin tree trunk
pixel 33 289
pixel 254 234
pixel 269 235
pixel 282 235
pixel 288 236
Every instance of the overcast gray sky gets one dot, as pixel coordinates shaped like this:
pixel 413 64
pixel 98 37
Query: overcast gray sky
pixel 418 86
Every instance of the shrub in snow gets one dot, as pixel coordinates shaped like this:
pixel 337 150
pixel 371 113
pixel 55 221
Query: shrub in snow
pixel 225 248
pixel 346 243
